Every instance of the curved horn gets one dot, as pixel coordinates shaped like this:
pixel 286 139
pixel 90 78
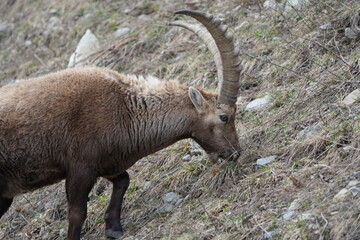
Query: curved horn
pixel 206 37
pixel 230 66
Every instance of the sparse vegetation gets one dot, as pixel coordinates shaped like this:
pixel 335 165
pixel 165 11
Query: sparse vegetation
pixel 303 63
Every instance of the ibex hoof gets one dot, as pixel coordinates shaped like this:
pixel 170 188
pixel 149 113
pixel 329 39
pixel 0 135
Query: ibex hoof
pixel 113 234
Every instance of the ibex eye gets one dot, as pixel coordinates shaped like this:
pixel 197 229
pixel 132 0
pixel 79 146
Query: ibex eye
pixel 224 118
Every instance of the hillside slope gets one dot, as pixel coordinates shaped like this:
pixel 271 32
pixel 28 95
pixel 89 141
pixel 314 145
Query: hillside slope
pixel 305 60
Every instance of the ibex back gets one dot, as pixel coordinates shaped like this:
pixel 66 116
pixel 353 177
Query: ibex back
pixel 85 123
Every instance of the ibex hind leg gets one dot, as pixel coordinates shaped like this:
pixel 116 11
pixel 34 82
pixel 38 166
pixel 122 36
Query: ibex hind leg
pixel 5 202
pixel 113 228
pixel 4 205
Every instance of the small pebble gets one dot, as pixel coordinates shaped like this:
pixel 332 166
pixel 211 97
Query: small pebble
pixel 186 158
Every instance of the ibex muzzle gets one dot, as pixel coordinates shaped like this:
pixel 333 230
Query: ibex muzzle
pixel 85 123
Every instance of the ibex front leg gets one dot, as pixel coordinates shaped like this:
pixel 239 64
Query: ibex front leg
pixel 78 187
pixel 113 226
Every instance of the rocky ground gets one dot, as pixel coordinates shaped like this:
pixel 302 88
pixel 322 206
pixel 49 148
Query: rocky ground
pixel 298 117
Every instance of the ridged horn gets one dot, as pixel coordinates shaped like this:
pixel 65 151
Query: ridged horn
pixel 221 44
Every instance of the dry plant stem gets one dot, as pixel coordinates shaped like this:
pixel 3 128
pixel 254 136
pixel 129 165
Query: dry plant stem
pixel 211 218
pixel 290 70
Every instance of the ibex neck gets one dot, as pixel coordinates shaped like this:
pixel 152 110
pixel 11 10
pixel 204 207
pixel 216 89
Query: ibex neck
pixel 159 121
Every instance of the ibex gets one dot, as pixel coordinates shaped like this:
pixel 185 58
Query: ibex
pixel 84 123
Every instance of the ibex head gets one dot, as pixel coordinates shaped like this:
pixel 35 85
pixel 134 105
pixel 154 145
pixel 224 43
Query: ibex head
pixel 215 129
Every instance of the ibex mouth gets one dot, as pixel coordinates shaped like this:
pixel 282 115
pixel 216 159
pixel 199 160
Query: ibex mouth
pixel 230 155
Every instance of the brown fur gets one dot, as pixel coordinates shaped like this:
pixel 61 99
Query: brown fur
pixel 85 123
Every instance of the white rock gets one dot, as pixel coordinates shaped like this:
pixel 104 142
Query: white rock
pixel 52 25
pixel 325 26
pixel 241 25
pixel 269 235
pixel 267 160
pixel 144 18
pixel 277 39
pixel 171 197
pixel 53 11
pixel 290 4
pixel 272 4
pixel 62 232
pixel 342 195
pixel 351 33
pixel 288 215
pixel 187 157
pixel 147 185
pixel 306 215
pixel 240 100
pixel 258 103
pixel 28 43
pixel 121 32
pixel 130 238
pixel 353 183
pixel 353 97
pixel 348 148
pixel 355 191
pixel 196 152
pixel 295 205
pixel 127 11
pixel 87 45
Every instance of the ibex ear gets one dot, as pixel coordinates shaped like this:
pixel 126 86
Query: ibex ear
pixel 197 99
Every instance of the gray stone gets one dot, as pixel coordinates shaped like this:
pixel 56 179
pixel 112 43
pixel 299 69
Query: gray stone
pixel 121 32
pixel 167 207
pixel 357 174
pixel 187 157
pixel 288 215
pixel 196 152
pixel 258 103
pixel 351 33
pixel 355 191
pixel 171 197
pixel 267 160
pixel 269 235
pixel 352 98
pixel 308 132
pixel 342 195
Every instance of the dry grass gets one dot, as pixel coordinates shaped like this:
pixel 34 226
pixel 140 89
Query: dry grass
pixel 306 71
